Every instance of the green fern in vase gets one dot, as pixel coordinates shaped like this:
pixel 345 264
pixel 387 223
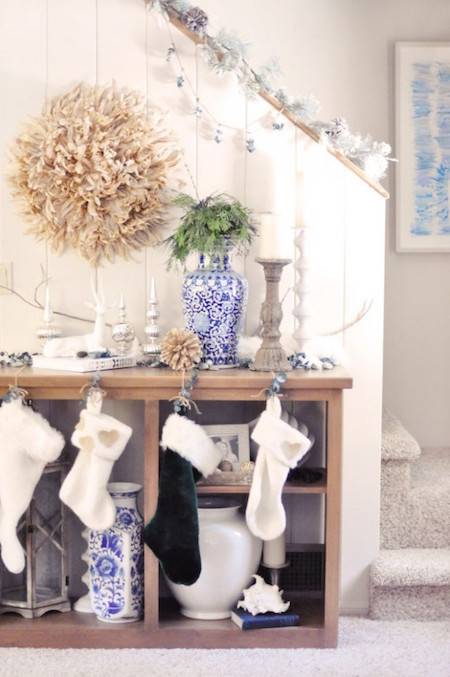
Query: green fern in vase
pixel 211 226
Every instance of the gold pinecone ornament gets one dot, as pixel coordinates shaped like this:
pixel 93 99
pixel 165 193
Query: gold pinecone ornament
pixel 181 349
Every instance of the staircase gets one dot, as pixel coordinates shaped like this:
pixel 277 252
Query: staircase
pixel 411 576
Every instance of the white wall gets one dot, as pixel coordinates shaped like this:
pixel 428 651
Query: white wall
pixel 322 48
pixel 343 51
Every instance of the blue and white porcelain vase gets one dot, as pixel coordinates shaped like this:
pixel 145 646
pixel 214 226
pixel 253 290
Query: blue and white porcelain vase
pixel 214 301
pixel 116 560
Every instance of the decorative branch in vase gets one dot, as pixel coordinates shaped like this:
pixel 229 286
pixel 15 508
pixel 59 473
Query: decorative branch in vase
pixel 214 296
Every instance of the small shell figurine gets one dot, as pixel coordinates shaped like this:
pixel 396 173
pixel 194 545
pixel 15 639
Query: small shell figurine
pixel 262 597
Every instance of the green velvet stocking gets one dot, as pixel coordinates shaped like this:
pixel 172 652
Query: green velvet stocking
pixel 172 534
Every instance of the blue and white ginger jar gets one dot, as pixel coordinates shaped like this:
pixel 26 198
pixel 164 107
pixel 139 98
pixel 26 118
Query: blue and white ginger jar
pixel 214 301
pixel 116 560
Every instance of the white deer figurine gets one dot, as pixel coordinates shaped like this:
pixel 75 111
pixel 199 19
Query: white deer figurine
pixel 96 341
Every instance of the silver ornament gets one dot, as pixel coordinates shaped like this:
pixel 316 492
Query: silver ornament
pixel 123 333
pixel 277 125
pixel 170 53
pixel 250 144
pixel 195 19
pixel 152 346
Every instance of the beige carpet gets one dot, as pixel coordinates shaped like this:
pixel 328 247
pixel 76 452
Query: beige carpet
pixel 367 649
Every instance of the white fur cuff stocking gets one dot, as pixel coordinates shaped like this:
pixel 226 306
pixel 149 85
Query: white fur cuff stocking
pixel 28 443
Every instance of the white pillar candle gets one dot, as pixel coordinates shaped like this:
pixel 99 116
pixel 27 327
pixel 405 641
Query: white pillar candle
pixel 273 241
pixel 274 552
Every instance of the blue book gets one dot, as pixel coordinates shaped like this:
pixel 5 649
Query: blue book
pixel 246 621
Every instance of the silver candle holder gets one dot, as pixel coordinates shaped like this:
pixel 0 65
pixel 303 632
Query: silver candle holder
pixel 123 333
pixel 48 330
pixel 152 346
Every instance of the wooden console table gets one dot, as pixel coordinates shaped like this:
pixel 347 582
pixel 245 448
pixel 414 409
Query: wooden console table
pixel 165 628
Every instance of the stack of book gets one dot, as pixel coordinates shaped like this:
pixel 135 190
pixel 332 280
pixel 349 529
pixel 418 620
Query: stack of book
pixel 246 621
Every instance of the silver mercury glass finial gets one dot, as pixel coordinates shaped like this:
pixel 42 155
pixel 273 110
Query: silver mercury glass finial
pixel 123 332
pixel 151 331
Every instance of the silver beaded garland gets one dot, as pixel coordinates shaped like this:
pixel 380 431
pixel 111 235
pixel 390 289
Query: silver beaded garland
pixel 250 144
pixel 170 53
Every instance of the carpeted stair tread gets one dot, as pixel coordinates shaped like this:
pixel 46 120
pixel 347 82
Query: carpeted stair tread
pixel 429 500
pixel 397 443
pixel 431 470
pixel 411 567
pixel 429 517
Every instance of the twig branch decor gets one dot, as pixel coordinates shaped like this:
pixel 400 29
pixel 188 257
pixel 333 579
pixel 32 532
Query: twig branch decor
pixel 363 311
pixel 92 171
pixel 36 303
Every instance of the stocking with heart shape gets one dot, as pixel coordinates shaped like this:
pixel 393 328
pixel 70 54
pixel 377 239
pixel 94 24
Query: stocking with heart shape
pixel 100 439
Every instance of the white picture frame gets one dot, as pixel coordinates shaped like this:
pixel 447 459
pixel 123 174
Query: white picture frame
pixel 422 95
pixel 236 440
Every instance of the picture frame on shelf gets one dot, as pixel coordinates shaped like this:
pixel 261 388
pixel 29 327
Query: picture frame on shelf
pixel 233 440
pixel 422 103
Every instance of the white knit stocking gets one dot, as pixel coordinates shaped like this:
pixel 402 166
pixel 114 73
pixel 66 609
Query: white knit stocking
pixel 280 448
pixel 101 439
pixel 28 443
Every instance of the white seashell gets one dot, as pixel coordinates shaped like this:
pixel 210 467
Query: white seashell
pixel 262 597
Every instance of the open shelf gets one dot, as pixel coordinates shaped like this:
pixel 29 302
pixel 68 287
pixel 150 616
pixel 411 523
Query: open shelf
pixel 242 391
pixel 289 488
pixel 77 630
pixel 224 633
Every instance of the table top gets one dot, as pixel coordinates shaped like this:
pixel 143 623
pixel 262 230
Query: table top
pixel 136 378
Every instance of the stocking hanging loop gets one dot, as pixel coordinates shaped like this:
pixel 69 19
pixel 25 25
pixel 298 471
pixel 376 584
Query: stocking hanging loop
pixel 275 386
pixel 93 394
pixel 14 391
pixel 183 400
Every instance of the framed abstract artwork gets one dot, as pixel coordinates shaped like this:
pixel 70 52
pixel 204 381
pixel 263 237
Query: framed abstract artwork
pixel 423 146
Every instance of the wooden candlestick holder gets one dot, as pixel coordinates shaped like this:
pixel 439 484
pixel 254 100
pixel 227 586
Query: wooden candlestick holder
pixel 271 356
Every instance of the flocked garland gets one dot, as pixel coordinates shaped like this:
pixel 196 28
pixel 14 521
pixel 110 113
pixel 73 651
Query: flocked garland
pixel 297 361
pixel 226 53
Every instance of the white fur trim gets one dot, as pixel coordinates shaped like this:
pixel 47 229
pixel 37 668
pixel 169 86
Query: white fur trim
pixel 40 440
pixel 285 443
pixel 192 443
